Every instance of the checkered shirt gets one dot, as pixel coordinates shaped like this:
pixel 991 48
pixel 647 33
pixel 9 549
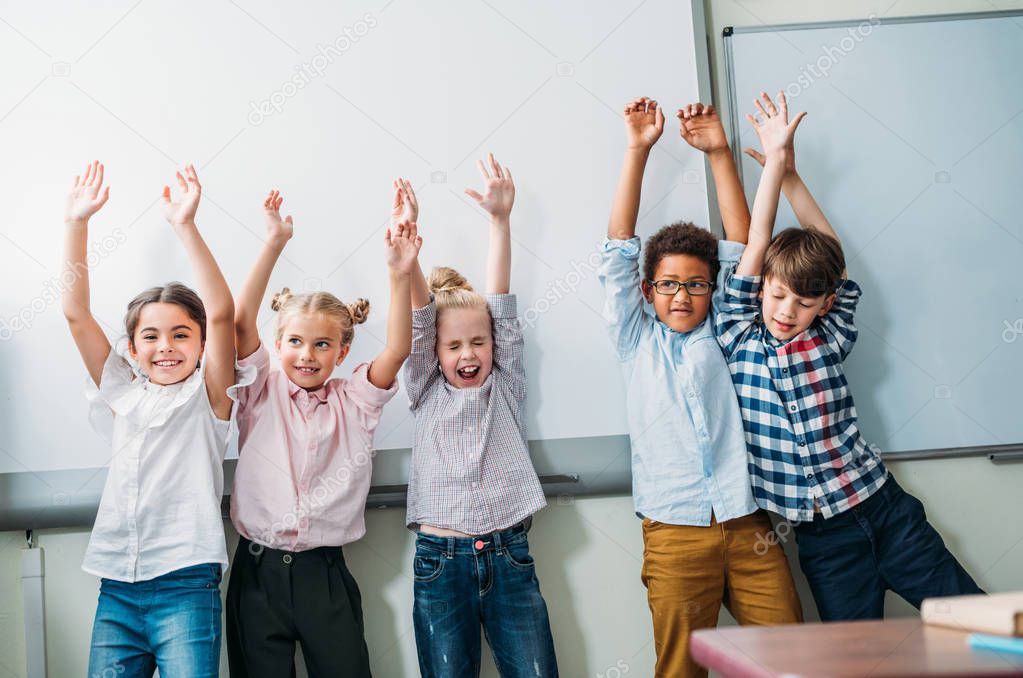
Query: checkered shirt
pixel 471 469
pixel 800 420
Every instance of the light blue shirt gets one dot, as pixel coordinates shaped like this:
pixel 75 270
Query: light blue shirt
pixel 688 446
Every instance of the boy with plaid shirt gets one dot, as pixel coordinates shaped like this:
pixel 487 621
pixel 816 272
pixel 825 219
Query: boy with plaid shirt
pixel 786 326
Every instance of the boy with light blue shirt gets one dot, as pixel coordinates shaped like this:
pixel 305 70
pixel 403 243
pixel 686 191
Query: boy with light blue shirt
pixel 703 534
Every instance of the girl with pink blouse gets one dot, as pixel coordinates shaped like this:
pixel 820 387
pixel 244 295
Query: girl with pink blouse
pixel 305 459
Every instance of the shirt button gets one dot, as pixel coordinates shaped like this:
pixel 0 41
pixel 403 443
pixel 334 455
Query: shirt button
pixel 286 558
pixel 802 443
pixel 792 408
pixel 785 370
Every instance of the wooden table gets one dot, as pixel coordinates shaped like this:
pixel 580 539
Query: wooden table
pixel 893 648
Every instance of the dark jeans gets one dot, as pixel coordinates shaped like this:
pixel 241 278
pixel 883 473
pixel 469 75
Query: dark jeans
pixel 463 582
pixel 851 559
pixel 277 598
pixel 171 622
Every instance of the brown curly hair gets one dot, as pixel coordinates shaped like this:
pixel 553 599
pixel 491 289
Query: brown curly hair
pixel 682 237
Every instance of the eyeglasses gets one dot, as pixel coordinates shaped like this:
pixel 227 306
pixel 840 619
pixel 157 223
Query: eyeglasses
pixel 696 288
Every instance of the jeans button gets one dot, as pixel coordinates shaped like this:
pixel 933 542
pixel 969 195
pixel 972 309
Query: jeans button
pixel 287 559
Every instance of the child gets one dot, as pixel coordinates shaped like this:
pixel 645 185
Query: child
pixel 158 541
pixel 786 324
pixel 705 542
pixel 472 486
pixel 304 465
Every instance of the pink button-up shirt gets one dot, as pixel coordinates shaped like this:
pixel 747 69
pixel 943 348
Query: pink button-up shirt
pixel 305 458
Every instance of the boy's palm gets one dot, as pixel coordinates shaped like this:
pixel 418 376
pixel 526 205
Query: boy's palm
pixel 406 206
pixel 701 128
pixel 183 211
pixel 498 188
pixel 644 123
pixel 772 126
pixel 403 245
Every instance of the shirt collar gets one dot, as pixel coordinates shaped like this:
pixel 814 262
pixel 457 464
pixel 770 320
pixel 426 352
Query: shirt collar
pixel 294 390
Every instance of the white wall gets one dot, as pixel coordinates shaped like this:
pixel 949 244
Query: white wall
pixel 588 550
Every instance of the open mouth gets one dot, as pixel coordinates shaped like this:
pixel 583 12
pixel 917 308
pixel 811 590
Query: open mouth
pixel 468 373
pixel 306 370
pixel 167 364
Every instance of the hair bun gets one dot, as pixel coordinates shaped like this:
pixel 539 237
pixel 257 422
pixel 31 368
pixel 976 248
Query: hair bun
pixel 280 299
pixel 444 279
pixel 359 310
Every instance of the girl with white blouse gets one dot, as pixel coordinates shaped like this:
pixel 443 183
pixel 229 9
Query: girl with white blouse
pixel 163 397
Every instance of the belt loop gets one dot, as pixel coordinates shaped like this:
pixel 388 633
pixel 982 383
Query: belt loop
pixel 451 547
pixel 496 536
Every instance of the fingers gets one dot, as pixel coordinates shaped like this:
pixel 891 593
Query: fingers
pixel 756 102
pixel 508 176
pixel 474 195
pixel 783 104
pixel 410 194
pixel 753 121
pixel 288 220
pixel 483 169
pixel 770 104
pixel 103 199
pixel 181 182
pixel 659 119
pixel 795 122
pixel 496 167
pixel 99 176
pixel 166 195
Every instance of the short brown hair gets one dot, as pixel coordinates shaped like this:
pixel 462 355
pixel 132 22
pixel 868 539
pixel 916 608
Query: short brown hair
pixel 287 304
pixel 171 293
pixel 808 261
pixel 682 237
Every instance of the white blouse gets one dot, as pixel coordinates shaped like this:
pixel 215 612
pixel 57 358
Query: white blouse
pixel 160 509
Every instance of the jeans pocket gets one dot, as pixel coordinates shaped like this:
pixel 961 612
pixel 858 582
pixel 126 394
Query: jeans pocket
pixel 205 576
pixel 427 566
pixel 517 555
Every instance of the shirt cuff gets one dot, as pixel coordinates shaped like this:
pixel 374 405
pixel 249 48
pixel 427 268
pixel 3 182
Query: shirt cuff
pixel 626 248
pixel 502 306
pixel 258 358
pixel 729 250
pixel 744 287
pixel 373 395
pixel 425 316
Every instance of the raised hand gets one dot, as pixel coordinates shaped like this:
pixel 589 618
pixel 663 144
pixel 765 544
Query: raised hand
pixel 403 244
pixel 406 206
pixel 87 194
pixel 644 123
pixel 183 211
pixel 277 230
pixel 499 189
pixel 772 125
pixel 701 128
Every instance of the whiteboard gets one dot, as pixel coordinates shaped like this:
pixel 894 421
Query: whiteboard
pixel 328 103
pixel 913 148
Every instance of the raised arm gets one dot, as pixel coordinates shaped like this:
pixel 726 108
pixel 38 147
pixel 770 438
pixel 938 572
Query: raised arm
pixel 805 207
pixel 213 290
pixel 246 311
pixel 403 245
pixel 86 197
pixel 701 128
pixel 776 133
pixel 497 199
pixel 406 209
pixel 644 123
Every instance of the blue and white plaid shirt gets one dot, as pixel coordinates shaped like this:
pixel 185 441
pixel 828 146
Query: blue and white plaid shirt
pixel 801 430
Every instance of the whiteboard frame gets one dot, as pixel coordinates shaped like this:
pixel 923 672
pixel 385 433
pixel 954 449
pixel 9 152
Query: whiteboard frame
pixel 996 453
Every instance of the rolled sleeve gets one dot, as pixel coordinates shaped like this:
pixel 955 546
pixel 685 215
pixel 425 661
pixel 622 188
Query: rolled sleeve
pixel 509 345
pixel 729 253
pixel 737 311
pixel 421 368
pixel 839 329
pixel 368 398
pixel 623 302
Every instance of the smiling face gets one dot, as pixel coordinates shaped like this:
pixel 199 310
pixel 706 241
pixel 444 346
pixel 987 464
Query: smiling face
pixel 787 314
pixel 167 343
pixel 681 311
pixel 465 346
pixel 310 348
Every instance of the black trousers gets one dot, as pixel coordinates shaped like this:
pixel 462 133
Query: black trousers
pixel 277 598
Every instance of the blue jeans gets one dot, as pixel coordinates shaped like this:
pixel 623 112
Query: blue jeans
pixel 851 559
pixel 171 622
pixel 463 582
